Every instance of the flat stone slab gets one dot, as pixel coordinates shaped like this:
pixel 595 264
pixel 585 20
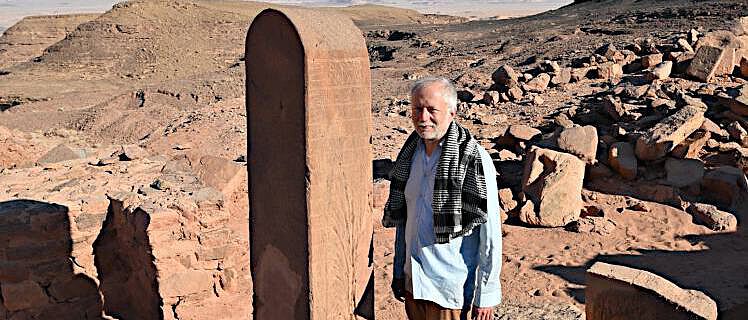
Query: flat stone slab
pixel 706 64
pixel 618 292
pixel 668 133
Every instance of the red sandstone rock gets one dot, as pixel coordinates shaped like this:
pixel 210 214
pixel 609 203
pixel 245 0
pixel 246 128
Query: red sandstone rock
pixel 561 77
pixel 706 64
pixel 668 133
pixel 691 147
pixel 579 141
pixel 553 182
pixel 617 292
pixel 537 84
pixel 650 61
pixel 506 76
pixel 523 132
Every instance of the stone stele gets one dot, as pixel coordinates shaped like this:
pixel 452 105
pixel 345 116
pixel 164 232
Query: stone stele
pixel 310 171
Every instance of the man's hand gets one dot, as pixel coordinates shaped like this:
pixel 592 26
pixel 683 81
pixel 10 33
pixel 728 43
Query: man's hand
pixel 398 288
pixel 482 313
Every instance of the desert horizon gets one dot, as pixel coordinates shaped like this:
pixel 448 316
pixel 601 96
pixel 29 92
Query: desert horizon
pixel 13 11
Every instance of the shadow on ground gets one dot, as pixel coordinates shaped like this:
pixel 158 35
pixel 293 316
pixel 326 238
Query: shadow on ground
pixel 719 271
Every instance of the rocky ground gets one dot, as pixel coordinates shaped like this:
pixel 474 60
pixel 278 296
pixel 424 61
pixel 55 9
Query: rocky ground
pixel 638 107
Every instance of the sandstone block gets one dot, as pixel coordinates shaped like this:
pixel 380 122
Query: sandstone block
pixel 623 160
pixel 613 107
pixel 506 199
pixel 491 98
pixel 553 182
pixel 505 75
pixel 550 66
pixel 610 52
pixel 668 133
pixel 617 292
pixel 684 45
pixel 219 173
pixel 523 132
pixel 561 77
pixel 579 141
pixel 538 84
pixel 718 39
pixel 515 93
pixel 744 67
pixel 705 64
pixel 684 172
pixel 713 218
pixel 580 74
pixel 693 36
pixel 738 133
pixel 737 100
pixel 713 128
pixel 661 71
pixel 649 61
pixel 186 282
pixel 609 71
pixel 691 147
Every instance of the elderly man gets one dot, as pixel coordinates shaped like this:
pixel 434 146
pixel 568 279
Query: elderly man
pixel 444 204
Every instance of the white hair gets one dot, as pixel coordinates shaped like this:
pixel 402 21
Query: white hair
pixel 449 92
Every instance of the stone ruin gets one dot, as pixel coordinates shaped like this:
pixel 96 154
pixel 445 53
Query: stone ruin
pixel 309 123
pixel 159 252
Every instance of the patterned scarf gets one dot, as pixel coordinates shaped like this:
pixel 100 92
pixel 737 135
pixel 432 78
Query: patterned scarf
pixel 459 200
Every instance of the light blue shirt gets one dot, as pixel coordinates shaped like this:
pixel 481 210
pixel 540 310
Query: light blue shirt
pixel 457 274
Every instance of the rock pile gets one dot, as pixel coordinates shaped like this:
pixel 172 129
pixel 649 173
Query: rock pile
pixel 671 121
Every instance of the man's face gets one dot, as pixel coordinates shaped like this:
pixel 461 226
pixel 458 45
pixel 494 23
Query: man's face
pixel 430 113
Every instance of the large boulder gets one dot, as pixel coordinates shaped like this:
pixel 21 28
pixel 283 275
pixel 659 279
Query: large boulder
pixel 505 75
pixel 618 292
pixel 579 141
pixel 668 133
pixel 538 84
pixel 552 181
pixel 709 62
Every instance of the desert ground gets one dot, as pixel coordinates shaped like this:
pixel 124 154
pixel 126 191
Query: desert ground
pixel 143 105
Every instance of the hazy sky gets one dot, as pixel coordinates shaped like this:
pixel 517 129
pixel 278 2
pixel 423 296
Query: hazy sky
pixel 13 10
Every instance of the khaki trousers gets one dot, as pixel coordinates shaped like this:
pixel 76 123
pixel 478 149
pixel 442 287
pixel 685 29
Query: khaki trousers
pixel 427 310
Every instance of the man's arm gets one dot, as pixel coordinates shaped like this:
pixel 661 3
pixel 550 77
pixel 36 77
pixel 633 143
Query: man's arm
pixel 488 283
pixel 398 266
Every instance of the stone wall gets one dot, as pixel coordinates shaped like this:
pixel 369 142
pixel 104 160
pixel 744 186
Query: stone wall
pixel 166 240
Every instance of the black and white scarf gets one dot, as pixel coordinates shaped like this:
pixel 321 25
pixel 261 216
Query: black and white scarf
pixel 460 201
